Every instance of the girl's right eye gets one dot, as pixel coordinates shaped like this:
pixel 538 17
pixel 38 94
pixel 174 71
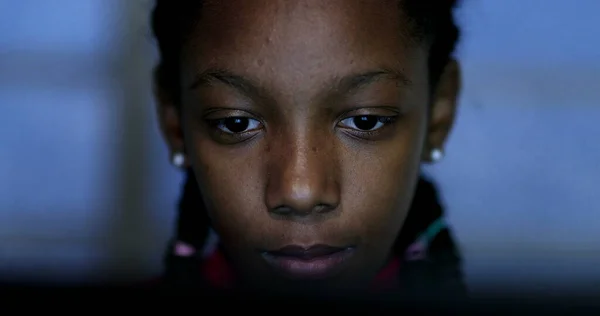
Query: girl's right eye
pixel 237 125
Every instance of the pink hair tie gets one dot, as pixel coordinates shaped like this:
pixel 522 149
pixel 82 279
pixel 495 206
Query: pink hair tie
pixel 183 249
pixel 417 251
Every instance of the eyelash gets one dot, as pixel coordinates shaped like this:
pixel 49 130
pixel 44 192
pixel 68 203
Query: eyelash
pixel 219 122
pixel 218 125
pixel 383 122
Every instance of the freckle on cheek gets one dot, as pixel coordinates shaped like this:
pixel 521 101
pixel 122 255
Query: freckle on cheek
pixel 314 149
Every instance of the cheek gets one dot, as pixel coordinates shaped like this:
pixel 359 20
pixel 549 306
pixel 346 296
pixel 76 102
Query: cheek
pixel 380 183
pixel 231 188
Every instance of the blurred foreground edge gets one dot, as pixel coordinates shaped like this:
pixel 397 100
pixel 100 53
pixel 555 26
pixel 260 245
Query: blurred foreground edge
pixel 202 300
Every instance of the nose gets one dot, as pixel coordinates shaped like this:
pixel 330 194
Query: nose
pixel 302 180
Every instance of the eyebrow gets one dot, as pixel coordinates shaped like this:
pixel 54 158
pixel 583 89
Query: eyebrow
pixel 349 84
pixel 209 77
pixel 346 84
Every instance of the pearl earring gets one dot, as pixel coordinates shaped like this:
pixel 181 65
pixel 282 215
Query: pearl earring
pixel 178 159
pixel 436 155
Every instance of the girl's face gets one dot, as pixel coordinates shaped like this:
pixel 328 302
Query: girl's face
pixel 305 123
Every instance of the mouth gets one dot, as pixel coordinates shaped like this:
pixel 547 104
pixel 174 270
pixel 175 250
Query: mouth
pixel 315 262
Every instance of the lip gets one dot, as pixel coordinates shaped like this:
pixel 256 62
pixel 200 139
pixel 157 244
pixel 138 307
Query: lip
pixel 314 262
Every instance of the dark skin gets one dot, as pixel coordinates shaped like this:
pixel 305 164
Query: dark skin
pixel 305 122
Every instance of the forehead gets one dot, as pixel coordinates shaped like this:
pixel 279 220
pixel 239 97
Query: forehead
pixel 300 38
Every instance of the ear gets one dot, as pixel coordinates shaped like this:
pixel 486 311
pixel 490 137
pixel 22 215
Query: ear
pixel 169 119
pixel 443 109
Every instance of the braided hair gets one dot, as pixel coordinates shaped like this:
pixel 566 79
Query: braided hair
pixel 431 20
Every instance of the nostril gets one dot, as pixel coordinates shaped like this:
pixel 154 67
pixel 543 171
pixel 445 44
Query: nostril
pixel 324 208
pixel 285 210
pixel 282 210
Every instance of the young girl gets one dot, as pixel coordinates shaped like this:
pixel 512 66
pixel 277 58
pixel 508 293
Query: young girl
pixel 301 126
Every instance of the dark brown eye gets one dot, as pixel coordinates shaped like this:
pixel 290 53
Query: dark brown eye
pixel 364 122
pixel 236 125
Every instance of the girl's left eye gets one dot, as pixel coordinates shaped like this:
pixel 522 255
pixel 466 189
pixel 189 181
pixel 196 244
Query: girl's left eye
pixel 237 125
pixel 365 123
